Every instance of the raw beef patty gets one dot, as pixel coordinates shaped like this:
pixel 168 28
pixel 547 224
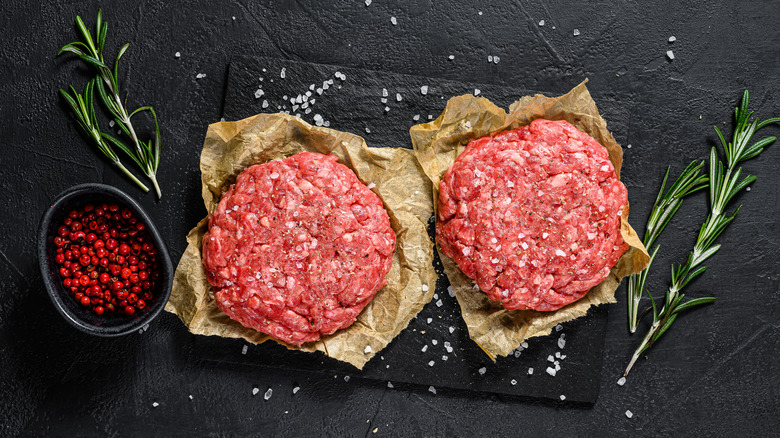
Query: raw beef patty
pixel 297 247
pixel 533 215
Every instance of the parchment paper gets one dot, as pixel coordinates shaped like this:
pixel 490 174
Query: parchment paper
pixel 496 330
pixel 230 147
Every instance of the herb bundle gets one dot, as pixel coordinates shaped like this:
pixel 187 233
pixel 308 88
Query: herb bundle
pixel 146 154
pixel 723 186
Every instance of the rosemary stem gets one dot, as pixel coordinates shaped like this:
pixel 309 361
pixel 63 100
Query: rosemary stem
pixel 642 346
pixel 156 186
pixel 121 167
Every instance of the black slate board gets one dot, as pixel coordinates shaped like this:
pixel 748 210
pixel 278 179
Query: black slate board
pixel 355 105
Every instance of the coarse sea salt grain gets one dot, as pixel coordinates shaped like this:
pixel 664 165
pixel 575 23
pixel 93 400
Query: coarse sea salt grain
pixel 390 385
pixel 429 320
pixel 444 357
pixel 265 104
pixel 190 396
pixel 425 288
pixel 621 381
pixel 424 90
pixel 561 343
pixel 244 349
pixel 490 58
pixel 368 2
pixel 434 342
pixel 451 329
pixel 482 371
pixel 530 371
pixel 367 349
pixel 629 414
pixel 513 382
pixel 283 73
pixel 268 394
pixel 496 59
pixel 394 21
pixel 255 391
pixel 416 117
pixel 398 97
pixel 432 390
pixel 672 39
pixel 560 253
pixel 259 93
pixel 200 75
pixel 550 358
pixel 451 57
pixel 431 363
pixel 424 349
pixel 551 371
pixel 371 186
pixel 670 54
pixel 541 22
pixel 296 389
pixel 346 378
pixel 177 54
pixel 439 303
pixel 477 91
pixel 576 32
pixel 450 291
pixel 368 131
pixel 563 397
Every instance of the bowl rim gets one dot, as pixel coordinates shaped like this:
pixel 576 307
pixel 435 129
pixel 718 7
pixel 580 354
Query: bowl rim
pixel 55 291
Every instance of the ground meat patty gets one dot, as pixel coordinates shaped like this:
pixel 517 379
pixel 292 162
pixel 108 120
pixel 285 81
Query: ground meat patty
pixel 533 215
pixel 297 247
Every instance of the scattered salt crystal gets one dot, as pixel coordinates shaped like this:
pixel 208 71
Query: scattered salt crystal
pixel 563 397
pixel 416 117
pixel 429 320
pixel 672 39
pixel 490 58
pixel 431 363
pixel 319 91
pixel 346 378
pixel 268 393
pixel 425 288
pixel 398 97
pixel 563 356
pixel 480 12
pixel 524 345
pixel 477 91
pixel 557 366
pixel 177 54
pixel 496 59
pixel 561 343
pixel 494 260
pixel 444 357
pixel 482 371
pixel 432 390
pixel 450 291
pixel 551 371
pixel 430 117
pixel 111 123
pixel 670 54
pixel 629 414
pixel 530 371
pixel 394 21
pixel 541 22
pixel 452 329
pixel 560 253
pixel 439 303
pixel 367 349
pixel 558 328
pixel 544 235
pixel 200 75
pixel 368 2
pixel 629 146
pixel 451 57
pixel 558 354
pixel 468 124
pixel 318 120
pixel 387 108
pixel 524 245
pixel 576 32
pixel 519 235
pixel 265 104
pixel 390 385
pixel 274 175
pixel 466 250
pixel 424 349
pixel 434 342
pixel 435 296
pixel 255 391
pixel 513 382
pixel 621 381
pixel 296 389
pixel 517 353
pixel 244 350
pixel 371 186
pixel 550 358
pixel 283 73
pixel 494 240
pixel 190 396
pixel 155 404
pixel 259 93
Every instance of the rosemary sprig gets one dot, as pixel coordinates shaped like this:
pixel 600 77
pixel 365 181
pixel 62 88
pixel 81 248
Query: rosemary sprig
pixel 664 209
pixel 723 186
pixel 145 154
pixel 84 110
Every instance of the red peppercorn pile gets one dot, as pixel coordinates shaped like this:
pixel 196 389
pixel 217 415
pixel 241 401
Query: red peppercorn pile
pixel 106 259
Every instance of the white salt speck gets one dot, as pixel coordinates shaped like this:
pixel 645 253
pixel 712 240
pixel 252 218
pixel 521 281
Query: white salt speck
pixel 434 342
pixel 544 235
pixel 268 394
pixel 394 21
pixel 424 89
pixel 451 57
pixel 265 104
pixel 494 240
pixel 629 414
pixel 551 371
pixel 177 54
pixel 398 97
pixel 450 291
pixel 524 345
pixel 452 329
pixel 244 349
pixel 432 390
pixel 747 189
pixel 444 357
pixel 629 146
pixel 477 91
pixel 435 296
pixel 480 12
pixel 513 382
pixel 560 253
pixel 550 358
pixel 190 396
pixel 558 354
pixel 371 186
pixel 367 349
pixel 387 108
pixel 425 288
pixel 424 349
pixel 255 391
pixel 670 54
pixel 494 261
pixel 621 381
pixel 530 371
pixel 346 378
pixel 200 75
pixel 390 385
pixel 466 250
pixel 482 371
pixel 368 2
pixel 558 328
pixel 296 389
pixel 561 343
pixel 368 131
pixel 430 117
pixel 416 117
pixel 563 356
pixel 259 93
pixel 672 39
pixel 563 397
pixel 468 124
pixel 439 303
pixel 274 175
pixel 234 18
pixel 318 120
pixel 283 73
pixel 576 32
pixel 557 366
pixel 490 58
pixel 319 91
pixel 541 22
pixel 429 320
pixel 496 59
pixel 519 235
pixel 524 245
pixel 431 363
pixel 111 123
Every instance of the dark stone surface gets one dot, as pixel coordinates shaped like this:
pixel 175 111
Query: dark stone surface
pixel 714 374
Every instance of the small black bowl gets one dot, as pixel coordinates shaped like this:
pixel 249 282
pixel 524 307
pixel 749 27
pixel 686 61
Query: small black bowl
pixel 104 325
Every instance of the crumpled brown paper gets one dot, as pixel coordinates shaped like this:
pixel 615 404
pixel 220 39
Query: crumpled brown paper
pixel 230 147
pixel 496 330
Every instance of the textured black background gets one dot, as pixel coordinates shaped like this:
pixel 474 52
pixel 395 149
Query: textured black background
pixel 714 374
